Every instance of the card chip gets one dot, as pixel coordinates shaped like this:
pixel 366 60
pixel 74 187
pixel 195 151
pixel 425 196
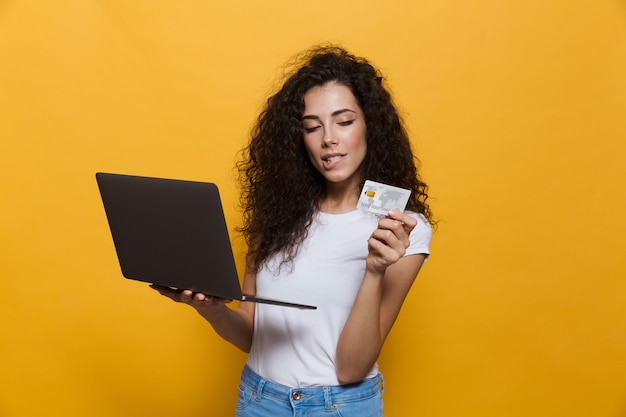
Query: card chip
pixel 370 193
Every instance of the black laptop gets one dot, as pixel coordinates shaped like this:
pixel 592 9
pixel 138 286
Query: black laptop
pixel 173 233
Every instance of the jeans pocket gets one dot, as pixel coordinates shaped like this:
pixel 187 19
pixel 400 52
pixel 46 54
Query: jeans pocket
pixel 366 407
pixel 245 397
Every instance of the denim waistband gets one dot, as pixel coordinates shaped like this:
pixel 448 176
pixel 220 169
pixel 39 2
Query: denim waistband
pixel 313 395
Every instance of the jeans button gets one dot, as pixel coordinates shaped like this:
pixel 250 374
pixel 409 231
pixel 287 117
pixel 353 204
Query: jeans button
pixel 296 396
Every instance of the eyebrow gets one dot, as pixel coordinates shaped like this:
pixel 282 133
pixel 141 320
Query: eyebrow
pixel 335 113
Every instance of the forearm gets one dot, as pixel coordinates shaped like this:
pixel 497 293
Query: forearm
pixel 361 339
pixel 233 325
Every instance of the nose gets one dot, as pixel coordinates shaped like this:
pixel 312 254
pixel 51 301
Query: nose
pixel 330 138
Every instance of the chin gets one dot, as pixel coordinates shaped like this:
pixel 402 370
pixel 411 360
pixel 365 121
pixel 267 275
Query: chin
pixel 339 179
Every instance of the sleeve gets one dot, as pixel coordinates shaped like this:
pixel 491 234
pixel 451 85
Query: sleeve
pixel 420 236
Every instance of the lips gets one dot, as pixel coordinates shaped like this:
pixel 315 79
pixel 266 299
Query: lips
pixel 331 160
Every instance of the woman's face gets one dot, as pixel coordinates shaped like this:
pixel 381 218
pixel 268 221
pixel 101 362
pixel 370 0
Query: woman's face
pixel 334 133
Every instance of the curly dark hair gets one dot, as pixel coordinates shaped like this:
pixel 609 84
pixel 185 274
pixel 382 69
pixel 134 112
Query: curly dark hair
pixel 281 188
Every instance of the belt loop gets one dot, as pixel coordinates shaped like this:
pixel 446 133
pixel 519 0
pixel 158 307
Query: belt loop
pixel 328 401
pixel 259 389
pixel 381 382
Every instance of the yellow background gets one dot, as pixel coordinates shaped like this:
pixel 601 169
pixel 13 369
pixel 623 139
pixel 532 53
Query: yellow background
pixel 516 108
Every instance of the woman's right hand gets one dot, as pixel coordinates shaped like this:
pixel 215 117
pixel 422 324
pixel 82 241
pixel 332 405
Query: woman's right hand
pixel 205 304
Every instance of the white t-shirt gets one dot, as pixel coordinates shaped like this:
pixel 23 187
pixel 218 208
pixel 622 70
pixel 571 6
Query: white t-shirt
pixel 296 348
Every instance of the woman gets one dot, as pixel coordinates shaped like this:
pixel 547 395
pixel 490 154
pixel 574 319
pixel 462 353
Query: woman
pixel 330 127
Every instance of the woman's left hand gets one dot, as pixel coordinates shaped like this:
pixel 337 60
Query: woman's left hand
pixel 389 241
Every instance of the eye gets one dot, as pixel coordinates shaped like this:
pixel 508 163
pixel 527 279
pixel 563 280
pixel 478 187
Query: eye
pixel 311 129
pixel 346 123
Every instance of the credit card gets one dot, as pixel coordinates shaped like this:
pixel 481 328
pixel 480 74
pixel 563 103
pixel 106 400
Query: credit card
pixel 379 198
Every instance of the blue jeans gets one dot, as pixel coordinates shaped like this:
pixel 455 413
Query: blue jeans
pixel 259 397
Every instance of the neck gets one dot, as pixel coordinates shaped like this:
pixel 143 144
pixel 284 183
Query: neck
pixel 339 199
